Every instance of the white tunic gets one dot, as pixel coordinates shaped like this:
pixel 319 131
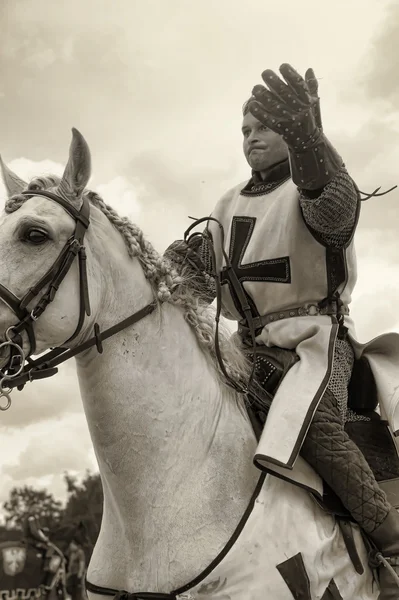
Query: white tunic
pixel 282 265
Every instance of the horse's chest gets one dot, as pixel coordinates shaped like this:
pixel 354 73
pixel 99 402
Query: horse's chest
pixel 285 539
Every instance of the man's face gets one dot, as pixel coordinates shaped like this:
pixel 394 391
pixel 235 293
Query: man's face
pixel 262 147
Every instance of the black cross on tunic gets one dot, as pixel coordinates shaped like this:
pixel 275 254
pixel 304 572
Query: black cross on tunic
pixel 275 269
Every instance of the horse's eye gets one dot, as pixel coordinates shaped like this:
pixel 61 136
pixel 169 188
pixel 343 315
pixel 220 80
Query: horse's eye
pixel 36 236
pixel 33 187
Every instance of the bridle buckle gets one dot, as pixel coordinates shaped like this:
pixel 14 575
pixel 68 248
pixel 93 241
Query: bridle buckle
pixel 34 317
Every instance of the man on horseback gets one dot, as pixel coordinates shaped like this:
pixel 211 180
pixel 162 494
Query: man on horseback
pixel 289 240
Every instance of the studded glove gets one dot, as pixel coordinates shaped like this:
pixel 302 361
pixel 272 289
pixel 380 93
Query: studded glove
pixel 291 108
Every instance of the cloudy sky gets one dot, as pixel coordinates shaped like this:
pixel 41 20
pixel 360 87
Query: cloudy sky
pixel 156 87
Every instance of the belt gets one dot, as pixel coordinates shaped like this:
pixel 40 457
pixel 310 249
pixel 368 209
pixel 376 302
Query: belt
pixel 310 309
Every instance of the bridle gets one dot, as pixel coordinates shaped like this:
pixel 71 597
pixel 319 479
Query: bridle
pixel 55 275
pixel 20 367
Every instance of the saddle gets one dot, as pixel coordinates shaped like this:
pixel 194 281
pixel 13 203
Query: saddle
pixel 271 366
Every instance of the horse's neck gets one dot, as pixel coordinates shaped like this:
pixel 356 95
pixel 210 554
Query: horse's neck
pixel 174 452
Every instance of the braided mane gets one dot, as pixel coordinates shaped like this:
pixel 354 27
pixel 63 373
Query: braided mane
pixel 168 285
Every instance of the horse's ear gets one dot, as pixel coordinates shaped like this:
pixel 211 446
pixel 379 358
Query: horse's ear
pixel 78 170
pixel 13 184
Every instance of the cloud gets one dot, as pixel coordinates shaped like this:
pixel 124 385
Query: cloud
pixel 45 455
pixel 42 59
pixel 369 139
pixel 122 195
pixel 41 400
pixel 39 455
pixel 155 76
pixel 376 295
pixel 27 169
pixel 381 82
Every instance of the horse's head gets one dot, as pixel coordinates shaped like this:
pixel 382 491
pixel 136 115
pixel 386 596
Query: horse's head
pixel 66 268
pixel 43 282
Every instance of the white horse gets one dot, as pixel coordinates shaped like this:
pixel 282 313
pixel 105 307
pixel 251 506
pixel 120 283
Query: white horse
pixel 173 442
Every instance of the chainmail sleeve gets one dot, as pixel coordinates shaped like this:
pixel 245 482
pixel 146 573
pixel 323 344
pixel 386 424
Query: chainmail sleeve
pixel 193 261
pixel 332 214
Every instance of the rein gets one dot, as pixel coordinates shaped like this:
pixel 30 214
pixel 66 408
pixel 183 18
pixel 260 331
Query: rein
pixel 46 365
pixel 21 368
pixel 246 389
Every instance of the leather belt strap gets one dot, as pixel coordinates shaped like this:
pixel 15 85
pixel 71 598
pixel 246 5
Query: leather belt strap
pixel 311 309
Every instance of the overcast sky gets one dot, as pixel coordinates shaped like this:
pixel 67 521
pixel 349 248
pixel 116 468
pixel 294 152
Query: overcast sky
pixel 156 87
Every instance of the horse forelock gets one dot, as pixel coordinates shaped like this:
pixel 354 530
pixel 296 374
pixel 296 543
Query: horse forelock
pixel 168 285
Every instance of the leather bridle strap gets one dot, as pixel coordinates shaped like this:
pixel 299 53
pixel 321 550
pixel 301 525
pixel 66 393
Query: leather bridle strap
pixel 14 303
pixel 78 235
pixel 55 275
pixel 78 215
pixel 46 365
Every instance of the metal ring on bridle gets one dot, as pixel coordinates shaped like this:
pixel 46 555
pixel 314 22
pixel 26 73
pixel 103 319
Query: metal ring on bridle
pixel 4 394
pixel 10 343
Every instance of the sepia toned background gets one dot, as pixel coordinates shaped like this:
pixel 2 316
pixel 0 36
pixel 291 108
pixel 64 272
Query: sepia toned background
pixel 156 87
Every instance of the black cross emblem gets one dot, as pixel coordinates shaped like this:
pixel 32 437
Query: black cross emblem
pixel 294 573
pixel 275 269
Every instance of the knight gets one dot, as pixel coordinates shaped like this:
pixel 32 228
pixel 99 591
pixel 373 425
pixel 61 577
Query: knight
pixel 289 241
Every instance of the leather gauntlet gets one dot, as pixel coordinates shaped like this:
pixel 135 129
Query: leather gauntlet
pixel 312 168
pixel 292 109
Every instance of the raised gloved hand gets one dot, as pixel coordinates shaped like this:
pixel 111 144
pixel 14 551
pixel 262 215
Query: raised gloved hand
pixel 287 108
pixel 291 108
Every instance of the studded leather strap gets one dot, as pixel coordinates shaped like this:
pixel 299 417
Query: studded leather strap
pixel 300 311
